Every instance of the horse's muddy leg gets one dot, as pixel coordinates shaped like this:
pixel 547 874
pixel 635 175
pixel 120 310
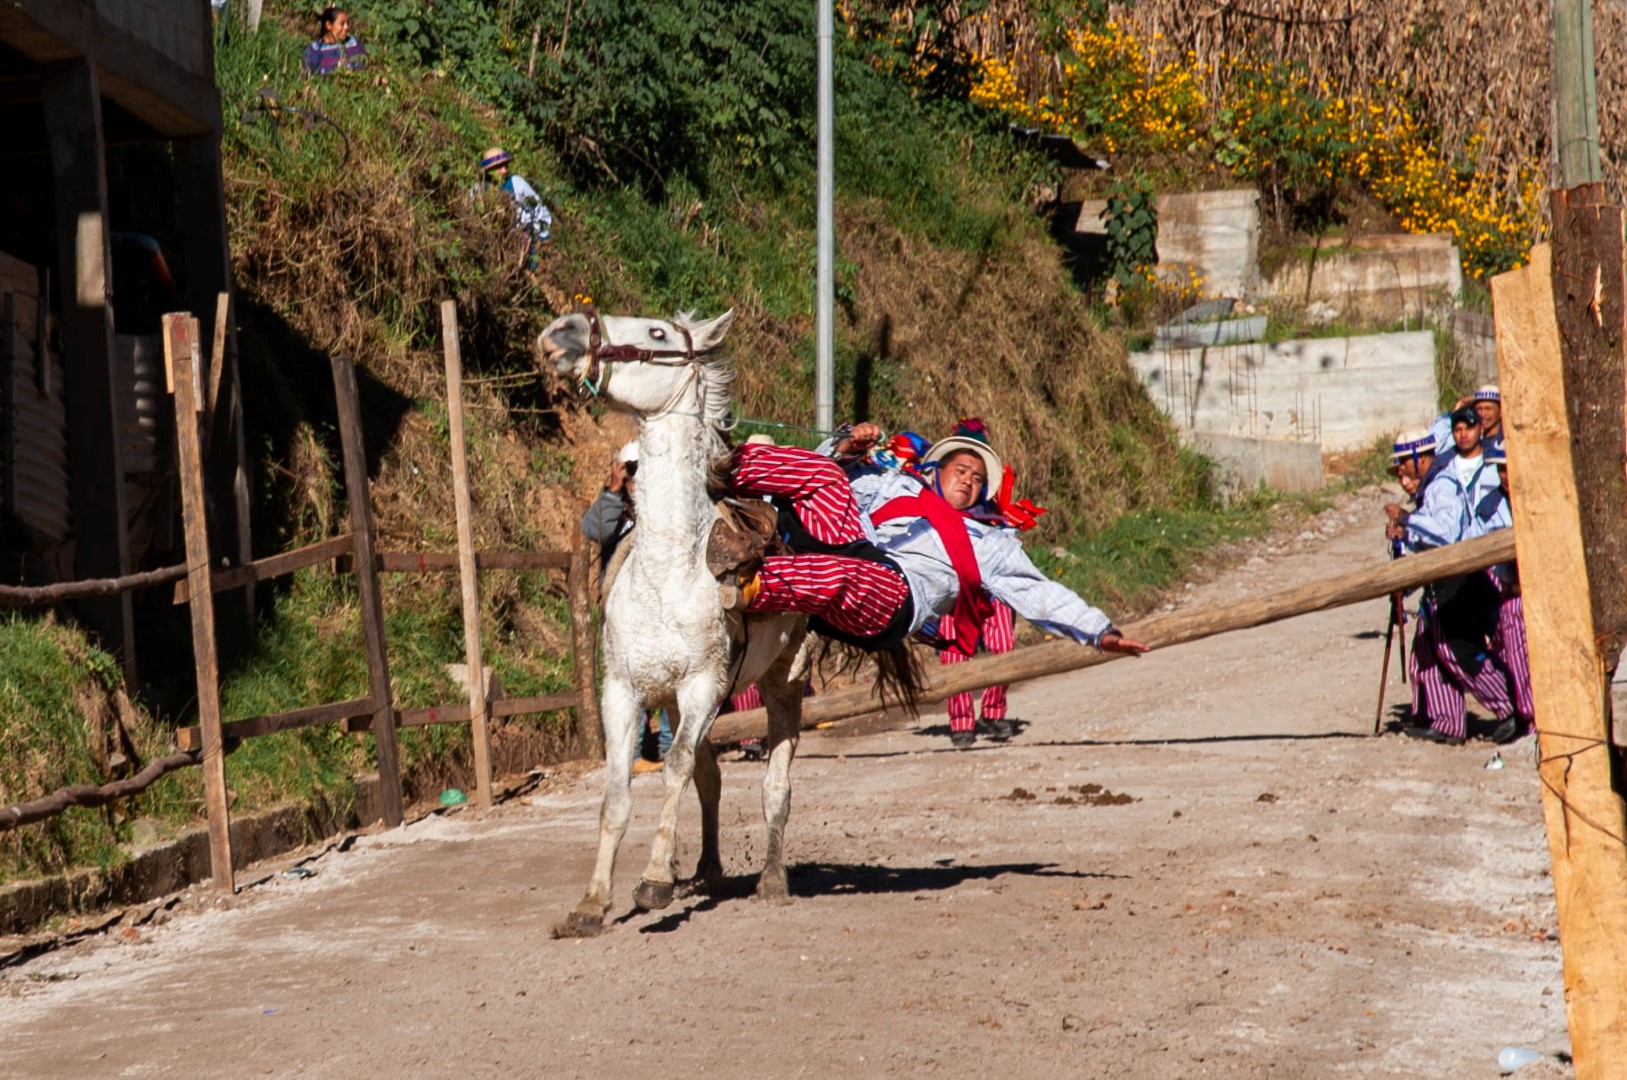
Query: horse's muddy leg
pixel 782 697
pixel 709 788
pixel 697 699
pixel 620 712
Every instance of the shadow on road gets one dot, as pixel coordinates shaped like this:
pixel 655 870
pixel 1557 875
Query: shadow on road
pixel 860 879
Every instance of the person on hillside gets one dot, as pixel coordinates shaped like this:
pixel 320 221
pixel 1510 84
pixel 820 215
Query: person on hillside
pixel 532 215
pixel 335 47
pixel 888 554
pixel 1487 403
pixel 1461 502
pixel 607 522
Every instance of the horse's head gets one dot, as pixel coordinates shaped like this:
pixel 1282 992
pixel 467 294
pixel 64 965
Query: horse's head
pixel 642 365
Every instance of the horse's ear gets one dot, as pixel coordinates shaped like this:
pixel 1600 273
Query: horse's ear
pixel 710 334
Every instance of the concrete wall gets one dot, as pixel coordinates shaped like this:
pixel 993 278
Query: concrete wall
pixel 177 28
pixel 1245 464
pixel 1400 276
pixel 1212 234
pixel 1342 392
pixel 1475 336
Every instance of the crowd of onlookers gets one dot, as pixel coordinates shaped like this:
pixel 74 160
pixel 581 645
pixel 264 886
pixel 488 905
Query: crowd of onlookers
pixel 1469 636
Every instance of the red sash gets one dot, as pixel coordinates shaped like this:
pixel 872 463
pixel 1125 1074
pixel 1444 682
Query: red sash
pixel 972 606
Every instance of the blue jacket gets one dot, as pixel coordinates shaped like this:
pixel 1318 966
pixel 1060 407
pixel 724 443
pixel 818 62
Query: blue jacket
pixel 1450 511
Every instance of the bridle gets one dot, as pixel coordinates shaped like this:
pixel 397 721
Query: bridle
pixel 601 354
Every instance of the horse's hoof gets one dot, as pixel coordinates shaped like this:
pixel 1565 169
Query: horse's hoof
pixel 773 890
pixel 653 895
pixel 579 924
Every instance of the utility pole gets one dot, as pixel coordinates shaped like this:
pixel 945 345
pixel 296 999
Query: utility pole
pixel 825 291
pixel 1576 93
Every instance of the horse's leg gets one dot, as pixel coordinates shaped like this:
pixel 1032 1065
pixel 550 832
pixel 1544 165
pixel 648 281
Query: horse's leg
pixel 697 700
pixel 620 711
pixel 782 697
pixel 709 787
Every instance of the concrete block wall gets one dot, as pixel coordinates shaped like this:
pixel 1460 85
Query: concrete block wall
pixel 1280 464
pixel 1398 276
pixel 1342 392
pixel 177 28
pixel 1213 235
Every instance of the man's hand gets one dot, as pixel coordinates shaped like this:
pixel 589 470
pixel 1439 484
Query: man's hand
pixel 860 439
pixel 1394 512
pixel 618 477
pixel 1115 642
pixel 1395 530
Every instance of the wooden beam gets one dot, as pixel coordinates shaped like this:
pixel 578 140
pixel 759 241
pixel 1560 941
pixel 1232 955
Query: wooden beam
pixel 232 731
pixel 1587 825
pixel 273 566
pixel 479 719
pixel 161 93
pixel 584 649
pixel 438 562
pixel 49 806
pixel 73 117
pixel 458 712
pixel 1576 93
pixel 1058 657
pixel 357 493
pixel 194 513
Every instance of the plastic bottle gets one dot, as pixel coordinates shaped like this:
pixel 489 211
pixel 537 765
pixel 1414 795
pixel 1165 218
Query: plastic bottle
pixel 1510 1058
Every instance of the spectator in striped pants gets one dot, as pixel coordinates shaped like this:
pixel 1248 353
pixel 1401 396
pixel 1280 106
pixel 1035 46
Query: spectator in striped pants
pixel 996 635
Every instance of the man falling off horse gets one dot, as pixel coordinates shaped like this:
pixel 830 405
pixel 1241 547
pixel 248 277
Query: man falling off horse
pixel 886 555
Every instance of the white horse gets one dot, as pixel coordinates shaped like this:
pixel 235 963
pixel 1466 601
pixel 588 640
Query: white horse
pixel 668 641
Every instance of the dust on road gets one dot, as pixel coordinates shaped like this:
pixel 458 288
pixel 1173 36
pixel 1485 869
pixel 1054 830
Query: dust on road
pixel 1197 863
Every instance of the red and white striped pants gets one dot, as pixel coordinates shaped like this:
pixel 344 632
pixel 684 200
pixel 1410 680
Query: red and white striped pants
pixel 1509 646
pixel 857 596
pixel 998 635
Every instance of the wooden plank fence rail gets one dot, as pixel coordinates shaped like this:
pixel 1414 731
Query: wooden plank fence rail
pixel 435 562
pixel 1057 657
pixel 458 712
pixel 236 730
pixel 272 566
pixel 39 595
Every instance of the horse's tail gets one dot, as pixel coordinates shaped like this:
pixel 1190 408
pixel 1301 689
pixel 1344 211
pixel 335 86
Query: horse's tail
pixel 898 676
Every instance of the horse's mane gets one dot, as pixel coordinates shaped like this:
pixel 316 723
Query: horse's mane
pixel 716 380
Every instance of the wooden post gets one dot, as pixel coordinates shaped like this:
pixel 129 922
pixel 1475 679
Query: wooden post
pixel 180 335
pixel 1585 817
pixel 479 717
pixel 357 493
pixel 71 95
pixel 589 730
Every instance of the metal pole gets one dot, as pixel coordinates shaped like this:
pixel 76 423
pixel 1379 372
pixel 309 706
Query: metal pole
pixel 1576 93
pixel 825 298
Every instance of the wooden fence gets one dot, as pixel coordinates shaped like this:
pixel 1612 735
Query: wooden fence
pixel 355 553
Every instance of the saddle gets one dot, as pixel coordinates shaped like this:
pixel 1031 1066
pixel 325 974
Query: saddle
pixel 744 532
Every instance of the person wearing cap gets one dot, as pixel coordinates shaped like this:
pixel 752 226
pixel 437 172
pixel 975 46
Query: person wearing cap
pixel 1488 402
pixel 532 216
pixel 1460 613
pixel 1508 642
pixel 888 553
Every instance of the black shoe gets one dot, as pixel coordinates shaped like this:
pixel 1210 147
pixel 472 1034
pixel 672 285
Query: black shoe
pixel 960 740
pixel 1506 732
pixel 996 730
pixel 1429 734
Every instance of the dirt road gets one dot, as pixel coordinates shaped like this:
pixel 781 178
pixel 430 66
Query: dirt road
pixel 1276 893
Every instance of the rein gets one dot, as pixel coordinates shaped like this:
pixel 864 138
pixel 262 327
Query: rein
pixel 601 354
